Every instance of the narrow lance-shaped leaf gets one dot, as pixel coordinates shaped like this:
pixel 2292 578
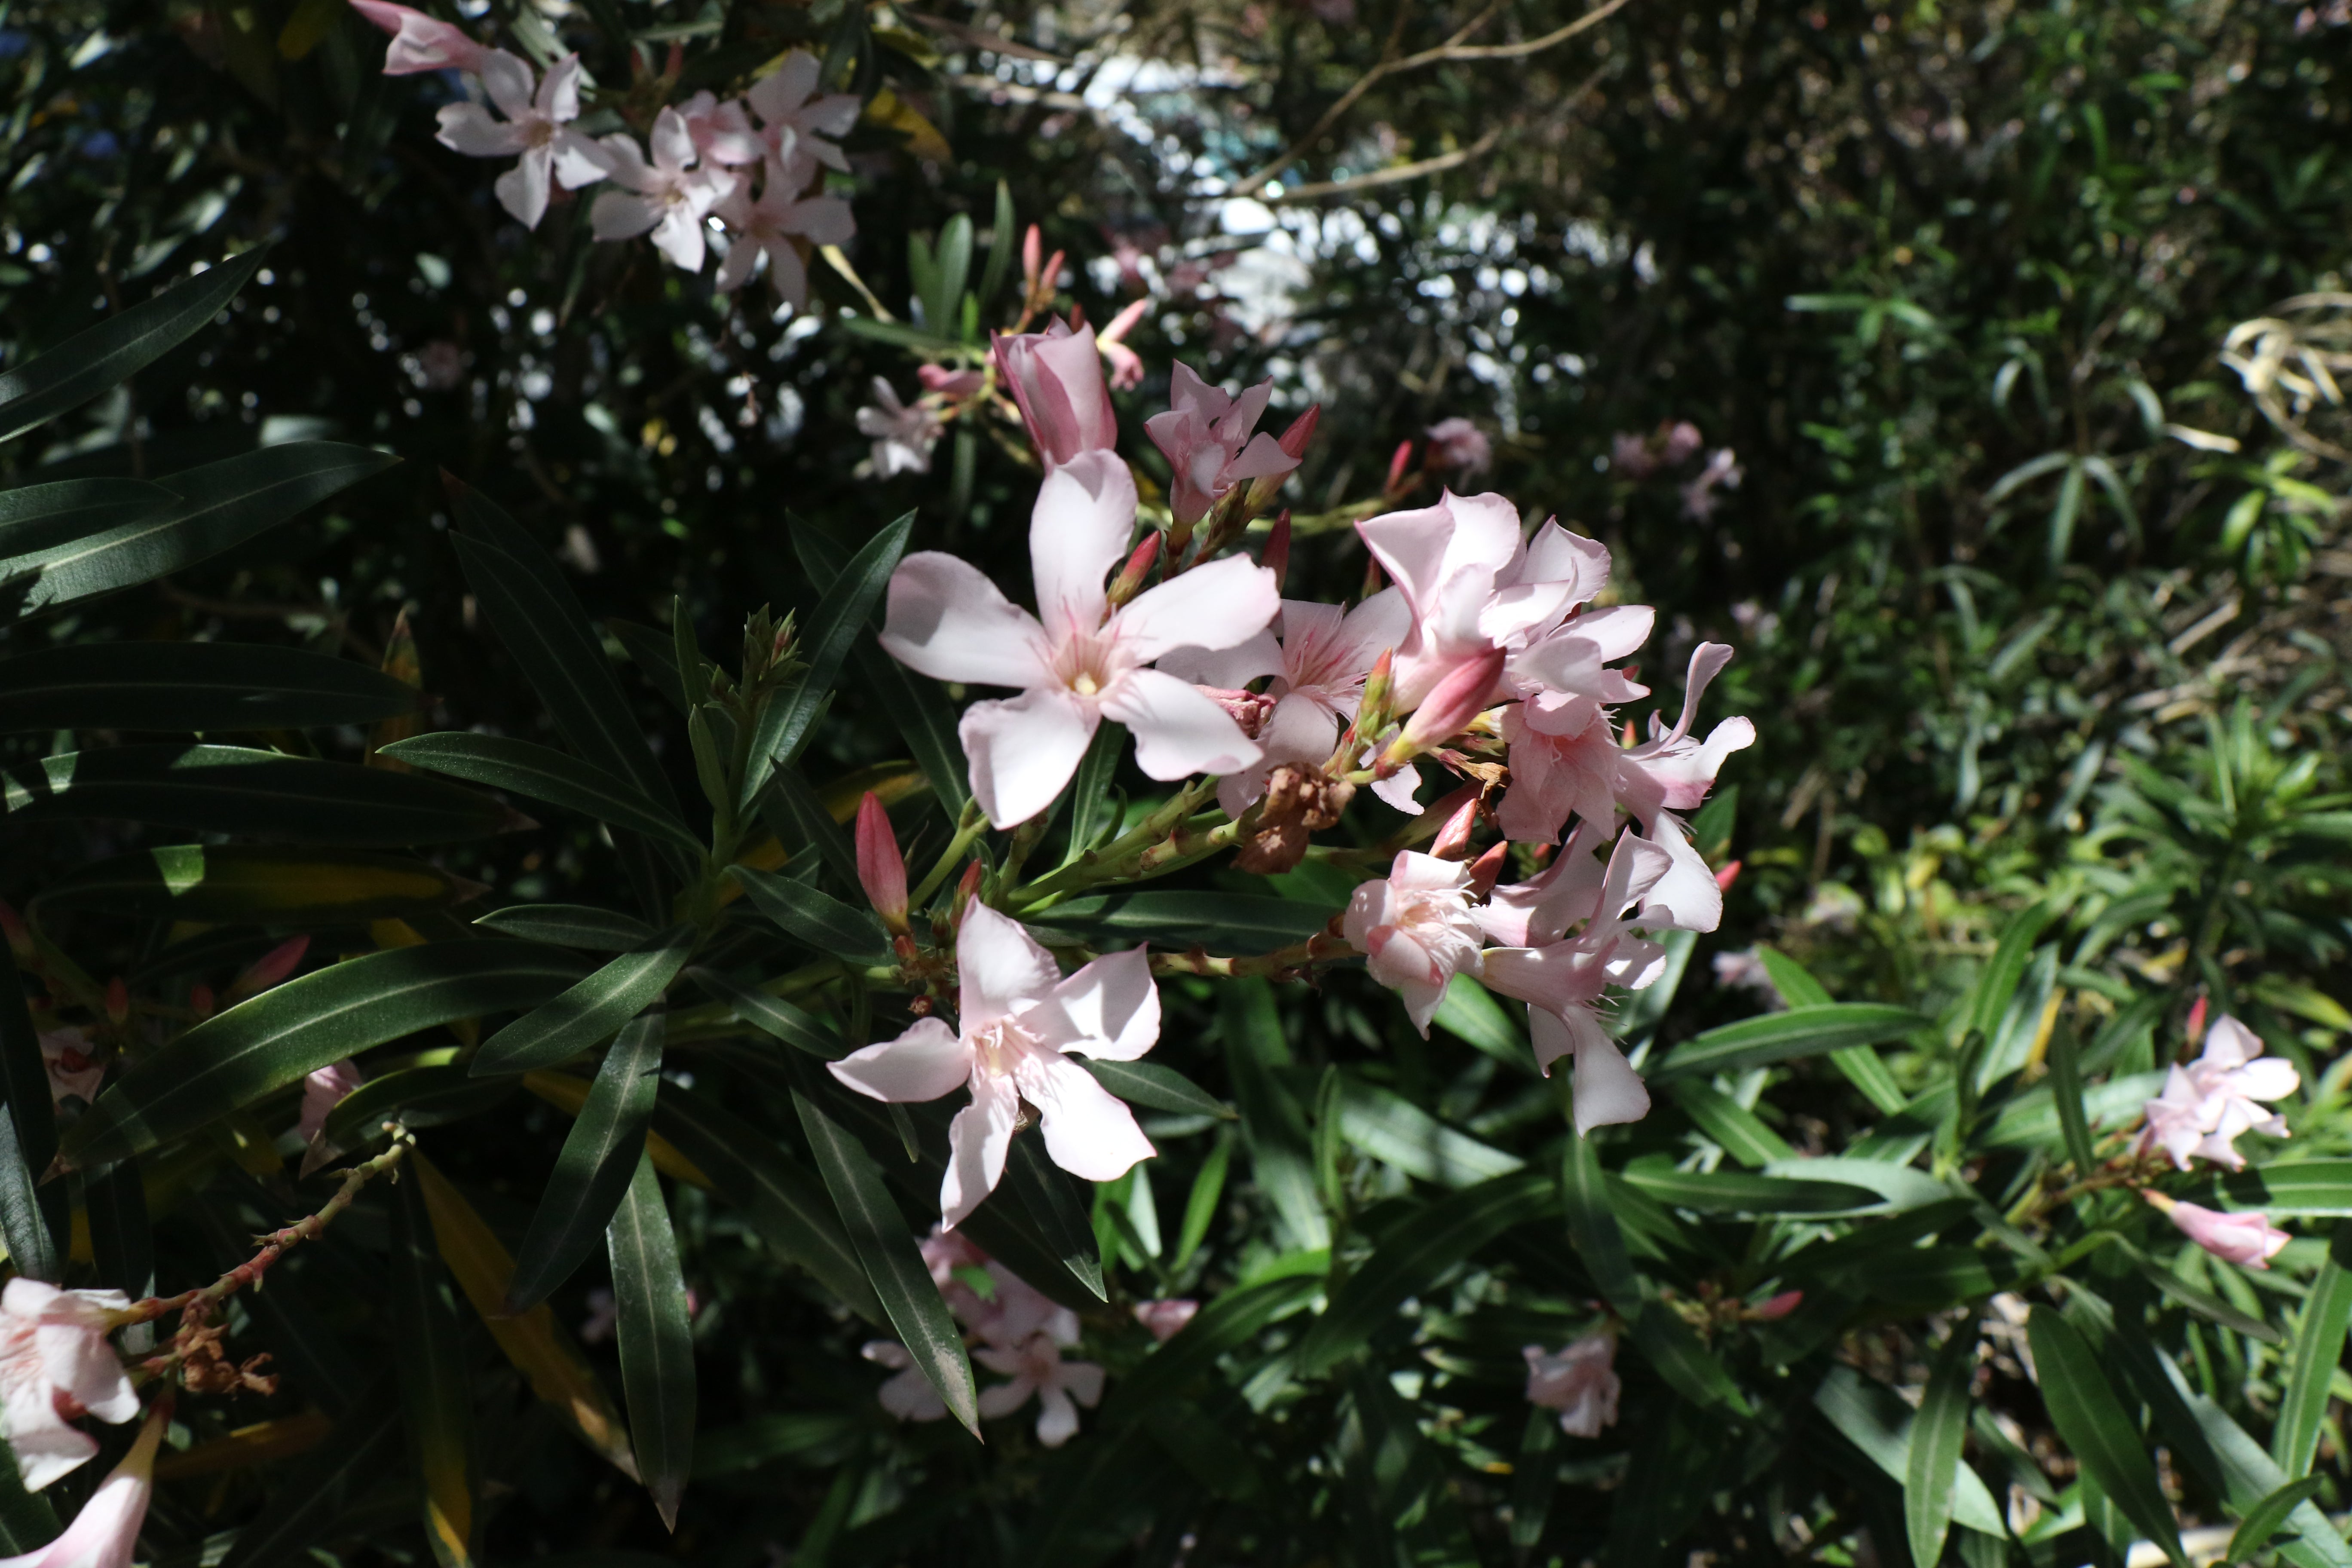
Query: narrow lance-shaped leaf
pixel 915 706
pixel 120 1242
pixel 190 686
pixel 1273 1127
pixel 838 622
pixel 819 919
pixel 570 925
pixel 2092 1423
pixel 435 1385
pixel 259 884
pixel 96 358
pixel 2318 1351
pixel 599 1160
pixel 657 1339
pixel 2066 1091
pixel 33 517
pixel 2268 1517
pixel 901 1280
pixel 1783 1036
pixel 316 1489
pixel 1937 1434
pixel 1039 1189
pixel 544 773
pixel 557 1030
pixel 771 1015
pixel 229 1061
pixel 1593 1227
pixel 32 1220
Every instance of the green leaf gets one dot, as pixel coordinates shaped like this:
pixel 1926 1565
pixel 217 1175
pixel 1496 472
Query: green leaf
pixel 32 1221
pixel 1237 922
pixel 1158 1088
pixel 435 1382
pixel 763 1439
pixel 893 1263
pixel 1674 1349
pixel 1741 1191
pixel 655 654
pixel 317 1488
pixel 2092 1423
pixel 1593 1227
pixel 782 1199
pixel 570 925
pixel 1225 1325
pixel 1876 1421
pixel 1041 1193
pixel 656 1337
pixel 1413 1255
pixel 1741 1132
pixel 1094 804
pixel 801 824
pixel 1201 1204
pixel 599 1159
pixel 2030 1120
pixel 1470 1013
pixel 544 773
pixel 229 789
pixel 561 1028
pixel 192 686
pixel 259 885
pixel 771 1015
pixel 818 920
pixel 231 1061
pixel 121 1241
pixel 1997 983
pixel 1395 1131
pixel 422 1096
pixel 840 619
pixel 2306 1188
pixel 1273 1127
pixel 913 703
pixel 1859 1063
pixel 220 505
pixel 1783 1036
pixel 2318 1350
pixel 1937 1435
pixel 2202 1302
pixel 95 359
pixel 1001 243
pixel 2268 1517
pixel 33 517
pixel 2066 1096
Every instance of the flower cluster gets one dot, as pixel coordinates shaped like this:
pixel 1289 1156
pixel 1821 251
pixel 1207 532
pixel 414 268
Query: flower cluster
pixel 755 162
pixel 2203 1109
pixel 1580 1382
pixel 1015 1330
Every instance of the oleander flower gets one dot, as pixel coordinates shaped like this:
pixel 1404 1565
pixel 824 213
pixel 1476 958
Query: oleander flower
pixel 1036 1367
pixel 721 132
pixel 55 1367
pixel 1077 661
pixel 1580 1382
pixel 770 224
pixel 908 1394
pixel 1055 377
pixel 796 118
pixel 1166 1317
pixel 105 1533
pixel 1017 1021
pixel 1416 931
pixel 321 1091
pixel 419 42
pixel 1458 446
pixel 2247 1239
pixel 903 433
pixel 536 133
pixel 66 1054
pixel 1207 438
pixel 2206 1104
pixel 667 196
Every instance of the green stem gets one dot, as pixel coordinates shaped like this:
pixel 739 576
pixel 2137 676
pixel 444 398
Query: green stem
pixel 968 828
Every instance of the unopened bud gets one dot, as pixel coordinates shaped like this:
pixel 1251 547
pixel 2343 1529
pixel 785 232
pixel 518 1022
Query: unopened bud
pixel 1453 839
pixel 2196 1012
pixel 270 968
pixel 1396 467
pixel 20 941
pixel 1374 580
pixel 1729 875
pixel 1372 708
pixel 118 1001
pixel 1461 696
pixel 200 1000
pixel 881 869
pixel 967 887
pixel 1293 440
pixel 1277 558
pixel 1487 870
pixel 1131 578
pixel 1032 247
pixel 1777 1307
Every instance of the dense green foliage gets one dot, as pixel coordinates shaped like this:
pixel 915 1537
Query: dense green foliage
pixel 2050 703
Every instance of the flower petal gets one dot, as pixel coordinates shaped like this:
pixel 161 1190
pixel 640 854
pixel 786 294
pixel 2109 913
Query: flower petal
pixel 1089 1132
pixel 468 128
pixel 978 1139
pixel 1077 533
pixel 1000 967
pixel 522 190
pixel 926 1062
pixel 948 620
pixel 1179 730
pixel 1108 1009
pixel 618 214
pixel 507 80
pixel 1608 1091
pixel 1023 751
pixel 1212 606
pixel 1057 1418
pixel 678 236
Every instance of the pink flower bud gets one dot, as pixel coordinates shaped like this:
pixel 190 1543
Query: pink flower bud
pixel 1031 248
pixel 1165 1319
pixel 1776 1308
pixel 270 968
pixel 1132 576
pixel 1056 378
pixel 2197 1017
pixel 1453 837
pixel 1454 701
pixel 1293 440
pixel 1729 875
pixel 881 869
pixel 1403 456
pixel 419 43
pixel 967 889
pixel 954 383
pixel 118 1000
pixel 2248 1239
pixel 1487 870
pixel 1277 558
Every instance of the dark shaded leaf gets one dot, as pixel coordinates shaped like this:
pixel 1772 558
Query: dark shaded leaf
pixel 1158 1088
pixel 656 1337
pixel 598 1161
pixel 1273 1127
pixel 544 773
pixel 120 1242
pixel 33 517
pixel 818 920
pixel 423 1095
pixel 561 1028
pixel 1395 1131
pixel 928 724
pixel 1238 922
pixel 2092 1423
pixel 825 640
pixel 1593 1227
pixel 33 1222
pixel 1740 1191
pixel 2318 1351
pixel 258 885
pixel 316 1489
pixel 2268 1517
pixel 190 686
pixel 436 1384
pixel 570 925
pixel 771 1015
pixel 1783 1036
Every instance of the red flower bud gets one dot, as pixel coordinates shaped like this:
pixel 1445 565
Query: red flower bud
pixel 1032 247
pixel 1130 579
pixel 2196 1016
pixel 967 889
pixel 1729 875
pixel 118 1000
pixel 1396 467
pixel 1277 558
pixel 881 869
pixel 1461 696
pixel 1453 837
pixel 1779 1306
pixel 1487 870
pixel 1293 440
pixel 271 968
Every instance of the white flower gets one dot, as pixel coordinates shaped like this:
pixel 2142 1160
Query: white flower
pixel 793 120
pixel 1580 1382
pixel 2206 1105
pixel 768 227
pixel 903 433
pixel 1036 1367
pixel 721 132
pixel 322 1091
pixel 105 1533
pixel 1416 931
pixel 1077 661
pixel 908 1395
pixel 537 127
pixel 56 1367
pixel 667 195
pixel 1018 1018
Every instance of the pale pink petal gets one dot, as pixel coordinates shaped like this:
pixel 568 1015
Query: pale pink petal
pixel 910 1397
pixel 45 1445
pixel 671 142
pixel 1410 548
pixel 1109 1009
pixel 1002 1398
pixel 1089 1132
pixel 978 1139
pixel 1057 1418
pixel 1179 730
pixel 788 273
pixel 628 165
pixel 1083 1380
pixel 1077 533
pixel 1397 790
pixel 1228 669
pixel 679 237
pixel 946 620
pixel 1212 606
pixel 777 95
pixel 1608 1092
pixel 468 128
pixel 558 95
pixel 105 1532
pixel 822 220
pixel 1023 751
pixel 2230 1043
pixel 507 80
pixel 580 160
pixel 2266 1078
pixel 618 214
pixel 1000 967
pixel 926 1062
pixel 832 115
pixel 522 190
pixel 735 268
pixel 1687 897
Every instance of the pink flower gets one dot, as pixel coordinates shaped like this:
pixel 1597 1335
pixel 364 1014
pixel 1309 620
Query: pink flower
pixel 1036 1367
pixel 1698 496
pixel 1318 662
pixel 1019 1018
pixel 536 132
pixel 1125 364
pixel 722 132
pixel 321 1091
pixel 66 1053
pixel 1015 1311
pixel 1166 1317
pixel 1206 437
pixel 1562 979
pixel 952 383
pixel 1475 586
pixel 664 196
pixel 1580 1382
pixel 1458 446
pixel 1415 929
pixel 2206 1105
pixel 903 433
pixel 105 1533
pixel 2246 1239
pixel 768 226
pixel 909 1395
pixel 794 121
pixel 419 43
pixel 1077 661
pixel 56 1367
pixel 603 1316
pixel 881 869
pixel 1056 376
